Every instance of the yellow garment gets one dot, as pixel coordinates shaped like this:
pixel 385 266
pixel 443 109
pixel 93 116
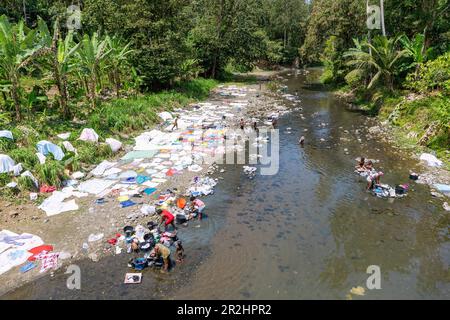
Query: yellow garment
pixel 123 198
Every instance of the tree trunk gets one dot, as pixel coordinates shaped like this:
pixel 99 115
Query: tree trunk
pixel 117 82
pixel 92 90
pixel 219 29
pixel 15 97
pixel 65 98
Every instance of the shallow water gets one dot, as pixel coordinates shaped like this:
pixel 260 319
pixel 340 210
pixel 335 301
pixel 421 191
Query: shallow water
pixel 309 232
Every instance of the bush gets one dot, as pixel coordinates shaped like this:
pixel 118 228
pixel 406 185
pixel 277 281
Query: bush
pixel 432 75
pixel 26 184
pixel 91 153
pixel 51 173
pixel 4 179
pixel 26 156
pixel 355 78
pixel 333 61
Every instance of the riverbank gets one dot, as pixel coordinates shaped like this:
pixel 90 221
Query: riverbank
pixel 308 232
pixel 405 122
pixel 69 231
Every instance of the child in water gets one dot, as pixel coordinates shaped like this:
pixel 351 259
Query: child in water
pixel 180 251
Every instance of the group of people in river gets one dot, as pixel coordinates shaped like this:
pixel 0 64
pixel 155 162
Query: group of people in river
pixel 156 244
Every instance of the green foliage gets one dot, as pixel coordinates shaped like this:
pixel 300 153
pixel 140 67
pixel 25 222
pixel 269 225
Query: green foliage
pixel 381 57
pixel 26 156
pixel 26 184
pixel 6 145
pixel 343 19
pixel 433 75
pixel 333 61
pixel 4 179
pixel 51 173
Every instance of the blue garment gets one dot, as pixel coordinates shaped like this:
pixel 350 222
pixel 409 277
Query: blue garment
pixel 127 203
pixel 46 147
pixel 442 187
pixel 149 191
pixel 129 180
pixel 27 267
pixel 142 179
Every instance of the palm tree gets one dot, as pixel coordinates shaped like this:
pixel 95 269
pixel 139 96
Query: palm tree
pixel 381 57
pixel 116 60
pixel 91 53
pixel 17 47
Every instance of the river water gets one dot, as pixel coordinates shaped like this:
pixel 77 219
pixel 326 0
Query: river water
pixel 308 232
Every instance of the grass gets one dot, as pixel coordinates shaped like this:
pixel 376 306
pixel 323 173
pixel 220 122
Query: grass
pixel 111 119
pixel 414 116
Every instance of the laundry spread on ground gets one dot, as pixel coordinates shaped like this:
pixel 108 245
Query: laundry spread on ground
pixel 14 249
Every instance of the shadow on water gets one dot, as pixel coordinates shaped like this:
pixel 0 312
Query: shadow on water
pixel 308 232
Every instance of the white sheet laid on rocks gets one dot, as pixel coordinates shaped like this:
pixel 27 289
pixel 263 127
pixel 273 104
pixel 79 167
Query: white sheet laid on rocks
pixel 95 186
pixel 55 204
pixel 102 167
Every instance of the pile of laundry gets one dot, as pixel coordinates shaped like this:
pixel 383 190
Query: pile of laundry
pixel 386 191
pixel 25 250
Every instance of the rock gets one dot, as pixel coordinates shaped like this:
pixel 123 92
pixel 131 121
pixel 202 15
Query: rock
pixel 436 194
pixel 375 130
pixel 446 206
pixel 359 291
pixel 93 257
pixel 64 255
pixel 14 214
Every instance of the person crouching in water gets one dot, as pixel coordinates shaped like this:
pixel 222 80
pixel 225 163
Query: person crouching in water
pixel 162 251
pixel 361 166
pixel 180 251
pixel 197 207
pixel 166 217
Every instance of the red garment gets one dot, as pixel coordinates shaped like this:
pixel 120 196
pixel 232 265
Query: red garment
pixel 171 172
pixel 168 217
pixel 37 250
pixel 47 189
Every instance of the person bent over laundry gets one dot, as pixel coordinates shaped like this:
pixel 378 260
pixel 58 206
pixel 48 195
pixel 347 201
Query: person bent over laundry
pixel 197 207
pixel 373 179
pixel 167 218
pixel 162 251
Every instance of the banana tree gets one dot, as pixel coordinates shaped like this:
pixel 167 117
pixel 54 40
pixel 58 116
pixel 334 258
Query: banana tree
pixel 116 60
pixel 416 50
pixel 62 52
pixel 17 46
pixel 91 54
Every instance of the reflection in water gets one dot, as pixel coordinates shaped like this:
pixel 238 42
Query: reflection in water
pixel 308 232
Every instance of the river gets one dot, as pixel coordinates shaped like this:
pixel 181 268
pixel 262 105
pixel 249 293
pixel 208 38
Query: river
pixel 308 232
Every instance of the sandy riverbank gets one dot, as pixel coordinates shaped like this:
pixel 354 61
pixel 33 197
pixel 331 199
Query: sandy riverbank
pixel 68 231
